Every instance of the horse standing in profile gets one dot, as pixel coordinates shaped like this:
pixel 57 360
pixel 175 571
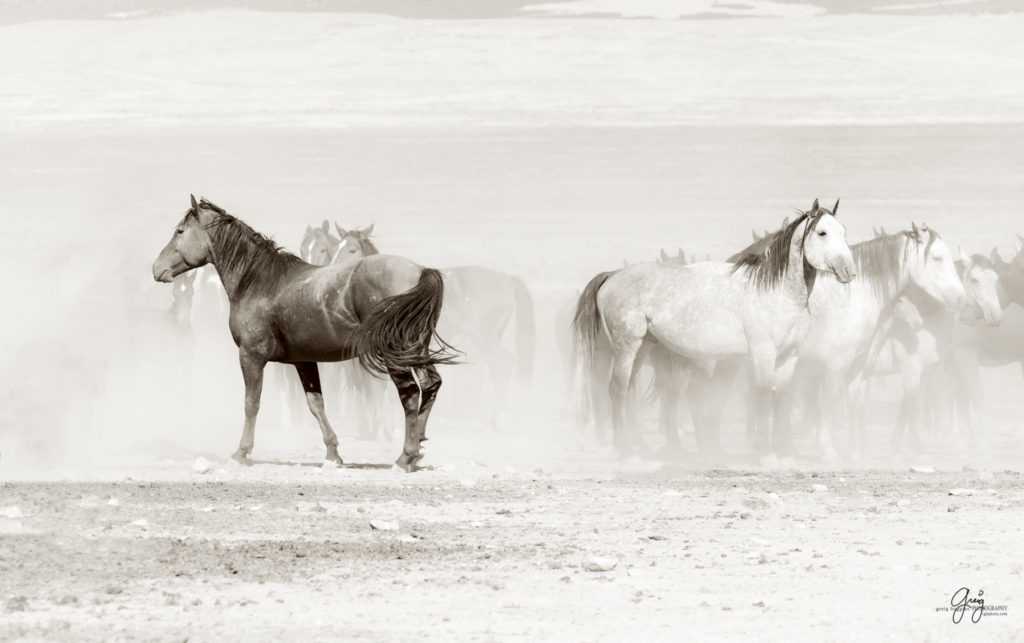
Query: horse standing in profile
pixel 708 311
pixel 382 310
pixel 479 304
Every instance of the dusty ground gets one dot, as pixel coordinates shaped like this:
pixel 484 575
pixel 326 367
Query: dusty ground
pixel 482 550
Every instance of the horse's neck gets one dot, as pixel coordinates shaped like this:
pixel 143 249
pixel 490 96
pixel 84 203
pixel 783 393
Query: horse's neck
pixel 795 280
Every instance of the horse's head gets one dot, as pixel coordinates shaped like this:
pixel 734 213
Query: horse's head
pixel 930 266
pixel 354 243
pixel 906 312
pixel 824 243
pixel 981 286
pixel 1011 274
pixel 190 245
pixel 318 245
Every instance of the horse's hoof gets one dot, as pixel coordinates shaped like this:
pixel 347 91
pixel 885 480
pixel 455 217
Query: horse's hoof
pixel 333 457
pixel 241 457
pixel 408 463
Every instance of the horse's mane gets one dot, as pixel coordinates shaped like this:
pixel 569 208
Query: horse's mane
pixel 983 261
pixel 765 261
pixel 879 260
pixel 257 260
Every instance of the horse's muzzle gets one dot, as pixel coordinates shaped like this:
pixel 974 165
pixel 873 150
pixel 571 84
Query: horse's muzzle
pixel 163 274
pixel 845 273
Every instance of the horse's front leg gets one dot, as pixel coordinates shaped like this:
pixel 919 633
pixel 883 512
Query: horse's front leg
pixel 764 357
pixel 252 374
pixel 309 375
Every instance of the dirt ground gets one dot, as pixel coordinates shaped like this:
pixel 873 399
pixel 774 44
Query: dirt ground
pixel 498 550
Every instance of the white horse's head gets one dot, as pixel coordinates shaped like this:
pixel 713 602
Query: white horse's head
pixel 981 285
pixel 824 243
pixel 930 266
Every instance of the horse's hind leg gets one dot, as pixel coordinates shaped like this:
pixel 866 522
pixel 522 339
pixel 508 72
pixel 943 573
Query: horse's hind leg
pixel 619 390
pixel 309 375
pixel 410 394
pixel 430 384
pixel 252 374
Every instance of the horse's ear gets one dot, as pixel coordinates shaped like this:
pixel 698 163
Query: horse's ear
pixel 663 257
pixel 753 235
pixel 195 204
pixel 814 209
pixel 914 229
pixel 1018 245
pixel 835 208
pixel 996 259
pixel 340 229
pixel 882 230
pixel 325 226
pixel 368 231
pixel 960 256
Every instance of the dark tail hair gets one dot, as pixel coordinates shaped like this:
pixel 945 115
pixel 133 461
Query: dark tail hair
pixel 399 330
pixel 526 331
pixel 586 330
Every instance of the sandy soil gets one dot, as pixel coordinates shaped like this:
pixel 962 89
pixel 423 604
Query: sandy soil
pixel 476 550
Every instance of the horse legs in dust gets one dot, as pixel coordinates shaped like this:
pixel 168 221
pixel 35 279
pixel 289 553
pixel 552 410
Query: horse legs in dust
pixel 417 391
pixel 668 381
pixel 252 374
pixel 623 372
pixel 309 375
pixel 764 358
pixel 499 363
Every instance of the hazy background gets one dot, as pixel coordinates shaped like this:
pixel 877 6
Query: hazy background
pixel 549 140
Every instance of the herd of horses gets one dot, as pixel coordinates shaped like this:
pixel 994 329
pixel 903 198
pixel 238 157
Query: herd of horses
pixel 798 313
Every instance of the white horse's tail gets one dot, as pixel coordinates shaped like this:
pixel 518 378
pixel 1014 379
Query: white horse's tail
pixel 526 331
pixel 586 337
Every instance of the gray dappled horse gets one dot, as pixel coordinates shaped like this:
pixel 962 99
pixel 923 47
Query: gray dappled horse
pixel 704 312
pixel 382 310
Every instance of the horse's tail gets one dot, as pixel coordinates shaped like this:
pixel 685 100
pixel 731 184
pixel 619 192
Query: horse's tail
pixel 526 331
pixel 586 331
pixel 399 330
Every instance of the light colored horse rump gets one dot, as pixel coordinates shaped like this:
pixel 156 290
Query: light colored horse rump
pixel 706 311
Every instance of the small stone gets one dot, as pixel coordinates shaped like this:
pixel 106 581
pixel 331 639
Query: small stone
pixel 951 508
pixel 383 525
pixel 141 522
pixel 113 502
pixel 202 465
pixel 599 564
pixel 922 470
pixel 961 492
pixel 819 488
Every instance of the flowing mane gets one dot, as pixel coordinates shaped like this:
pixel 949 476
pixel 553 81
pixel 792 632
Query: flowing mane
pixel 765 261
pixel 880 260
pixel 257 260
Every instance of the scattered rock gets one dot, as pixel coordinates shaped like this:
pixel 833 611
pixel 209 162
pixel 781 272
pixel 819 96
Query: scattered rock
pixel 819 488
pixel 922 470
pixel 141 522
pixel 17 604
pixel 951 508
pixel 959 491
pixel 383 525
pixel 202 465
pixel 599 564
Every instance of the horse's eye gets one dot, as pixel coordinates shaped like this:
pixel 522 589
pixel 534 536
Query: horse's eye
pixel 822 233
pixel 179 231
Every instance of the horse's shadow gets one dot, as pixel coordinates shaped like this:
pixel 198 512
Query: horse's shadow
pixel 348 465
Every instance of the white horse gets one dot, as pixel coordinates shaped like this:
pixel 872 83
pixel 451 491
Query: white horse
pixel 842 318
pixel 706 311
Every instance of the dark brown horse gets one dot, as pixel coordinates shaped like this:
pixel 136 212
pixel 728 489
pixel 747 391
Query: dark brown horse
pixel 382 310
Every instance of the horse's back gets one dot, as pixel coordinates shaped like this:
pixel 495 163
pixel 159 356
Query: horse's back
pixel 697 309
